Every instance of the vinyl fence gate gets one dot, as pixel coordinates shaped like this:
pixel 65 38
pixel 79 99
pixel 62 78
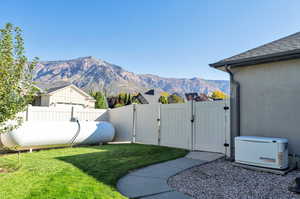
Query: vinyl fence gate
pixel 203 126
pixel 211 126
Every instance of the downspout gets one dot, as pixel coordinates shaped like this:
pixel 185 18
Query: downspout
pixel 234 100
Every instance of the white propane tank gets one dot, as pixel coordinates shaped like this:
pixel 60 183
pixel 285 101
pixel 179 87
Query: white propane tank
pixel 40 134
pixel 95 132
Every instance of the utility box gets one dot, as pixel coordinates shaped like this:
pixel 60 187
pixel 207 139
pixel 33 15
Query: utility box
pixel 262 151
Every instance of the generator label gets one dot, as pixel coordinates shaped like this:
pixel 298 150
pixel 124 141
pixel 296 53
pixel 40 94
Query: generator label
pixel 265 159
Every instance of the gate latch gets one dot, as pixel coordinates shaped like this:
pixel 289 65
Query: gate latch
pixel 226 107
pixel 193 118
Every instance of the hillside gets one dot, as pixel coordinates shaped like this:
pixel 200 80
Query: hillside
pixel 90 73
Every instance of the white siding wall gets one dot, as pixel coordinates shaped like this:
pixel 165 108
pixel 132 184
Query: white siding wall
pixel 70 95
pixel 91 103
pixel 63 95
pixel 45 100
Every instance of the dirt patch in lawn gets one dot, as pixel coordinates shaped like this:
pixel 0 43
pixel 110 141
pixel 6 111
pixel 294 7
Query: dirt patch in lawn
pixel 7 170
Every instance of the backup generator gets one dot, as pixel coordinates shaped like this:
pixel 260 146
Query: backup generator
pixel 262 151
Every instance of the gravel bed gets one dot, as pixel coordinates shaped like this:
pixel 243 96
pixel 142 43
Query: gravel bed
pixel 220 179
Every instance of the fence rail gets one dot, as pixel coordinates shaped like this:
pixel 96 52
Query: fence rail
pixel 122 119
pixel 38 113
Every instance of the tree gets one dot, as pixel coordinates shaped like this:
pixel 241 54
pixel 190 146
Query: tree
pixel 163 100
pixel 121 98
pixel 218 95
pixel 165 94
pixel 125 99
pixel 100 98
pixel 16 86
pixel 164 97
pixel 112 101
pixel 175 99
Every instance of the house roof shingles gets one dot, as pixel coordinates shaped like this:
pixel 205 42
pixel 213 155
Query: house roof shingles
pixel 52 89
pixel 48 88
pixel 281 49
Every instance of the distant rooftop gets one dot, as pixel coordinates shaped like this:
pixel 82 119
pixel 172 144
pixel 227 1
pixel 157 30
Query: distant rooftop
pixel 281 49
pixel 51 87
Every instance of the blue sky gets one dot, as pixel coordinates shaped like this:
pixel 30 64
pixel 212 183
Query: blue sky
pixel 172 38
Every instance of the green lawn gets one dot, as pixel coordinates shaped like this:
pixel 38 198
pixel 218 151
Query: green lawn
pixel 80 172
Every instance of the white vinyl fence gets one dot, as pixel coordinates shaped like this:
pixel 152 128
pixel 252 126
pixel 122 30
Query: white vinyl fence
pixel 146 123
pixel 211 126
pixel 122 120
pixel 176 125
pixel 194 125
pixel 39 113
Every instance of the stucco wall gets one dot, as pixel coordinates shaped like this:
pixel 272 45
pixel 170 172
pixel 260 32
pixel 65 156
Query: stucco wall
pixel 270 97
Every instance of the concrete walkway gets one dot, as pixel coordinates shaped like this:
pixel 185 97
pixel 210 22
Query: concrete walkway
pixel 151 182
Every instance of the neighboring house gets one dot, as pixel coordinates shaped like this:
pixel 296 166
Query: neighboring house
pixel 141 99
pixel 191 96
pixel 61 96
pixel 112 101
pixel 265 91
pixel 202 97
pixel 198 98
pixel 149 97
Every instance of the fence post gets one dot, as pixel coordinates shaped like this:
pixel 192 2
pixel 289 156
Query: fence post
pixel 193 125
pixel 27 113
pixel 133 140
pixel 72 113
pixel 227 143
pixel 159 125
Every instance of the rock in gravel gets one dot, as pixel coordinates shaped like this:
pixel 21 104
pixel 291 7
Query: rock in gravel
pixel 221 179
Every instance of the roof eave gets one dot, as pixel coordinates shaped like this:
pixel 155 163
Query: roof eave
pixel 259 60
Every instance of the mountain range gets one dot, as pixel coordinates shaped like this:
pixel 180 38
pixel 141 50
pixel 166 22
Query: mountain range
pixel 90 73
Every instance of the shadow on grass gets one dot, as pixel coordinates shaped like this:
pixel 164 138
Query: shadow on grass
pixel 115 161
pixel 105 165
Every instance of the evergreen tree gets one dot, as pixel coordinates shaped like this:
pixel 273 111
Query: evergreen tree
pixel 175 99
pixel 101 102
